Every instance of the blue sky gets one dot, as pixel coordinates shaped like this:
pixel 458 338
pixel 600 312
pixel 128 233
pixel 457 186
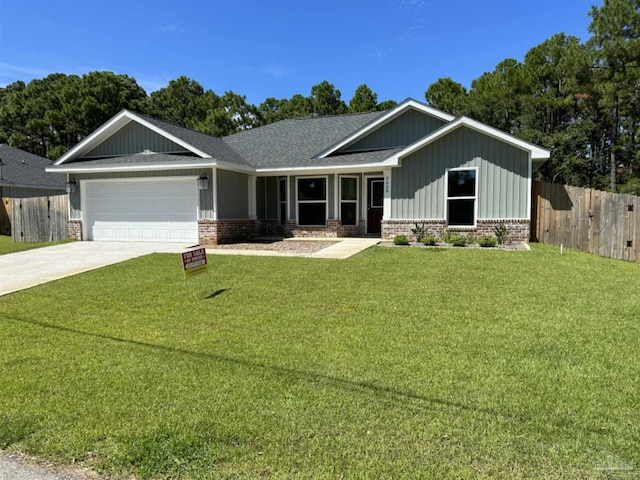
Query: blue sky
pixel 277 48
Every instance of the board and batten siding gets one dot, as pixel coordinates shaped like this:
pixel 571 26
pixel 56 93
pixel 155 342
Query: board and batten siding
pixel 134 138
pixel 206 196
pixel 404 130
pixel 418 187
pixel 233 195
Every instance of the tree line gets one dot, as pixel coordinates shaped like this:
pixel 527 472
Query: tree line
pixel 579 99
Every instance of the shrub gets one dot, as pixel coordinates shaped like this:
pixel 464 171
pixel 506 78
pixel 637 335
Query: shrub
pixel 447 235
pixel 428 240
pixel 400 240
pixel 472 238
pixel 501 232
pixel 487 242
pixel 458 240
pixel 420 231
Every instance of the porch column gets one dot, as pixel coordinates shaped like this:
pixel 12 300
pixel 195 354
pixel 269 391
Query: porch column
pixel 252 179
pixel 214 193
pixel 386 205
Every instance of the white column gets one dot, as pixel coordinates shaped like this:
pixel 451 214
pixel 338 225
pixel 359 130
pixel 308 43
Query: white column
pixel 252 197
pixel 386 210
pixel 336 197
pixel 214 193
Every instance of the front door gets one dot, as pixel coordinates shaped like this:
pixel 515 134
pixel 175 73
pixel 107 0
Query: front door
pixel 375 200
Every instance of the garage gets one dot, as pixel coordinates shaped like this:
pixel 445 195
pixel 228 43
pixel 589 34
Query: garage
pixel 144 210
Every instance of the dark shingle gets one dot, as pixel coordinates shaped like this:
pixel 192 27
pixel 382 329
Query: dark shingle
pixel 295 142
pixel 18 167
pixel 214 146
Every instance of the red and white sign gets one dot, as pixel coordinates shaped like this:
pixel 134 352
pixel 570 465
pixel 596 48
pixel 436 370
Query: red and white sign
pixel 194 262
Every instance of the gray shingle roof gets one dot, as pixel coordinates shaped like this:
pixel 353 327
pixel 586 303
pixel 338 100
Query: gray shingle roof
pixel 214 146
pixel 296 142
pixel 18 167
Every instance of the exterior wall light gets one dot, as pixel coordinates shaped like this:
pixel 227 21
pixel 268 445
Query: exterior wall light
pixel 203 182
pixel 71 186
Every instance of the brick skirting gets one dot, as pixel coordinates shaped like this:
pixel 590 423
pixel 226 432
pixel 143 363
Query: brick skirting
pixel 518 228
pixel 214 232
pixel 74 230
pixel 334 228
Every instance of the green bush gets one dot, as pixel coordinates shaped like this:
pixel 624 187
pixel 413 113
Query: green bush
pixel 501 232
pixel 428 240
pixel 447 235
pixel 420 231
pixel 458 240
pixel 487 242
pixel 400 240
pixel 472 238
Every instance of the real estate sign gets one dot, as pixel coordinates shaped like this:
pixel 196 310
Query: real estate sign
pixel 194 262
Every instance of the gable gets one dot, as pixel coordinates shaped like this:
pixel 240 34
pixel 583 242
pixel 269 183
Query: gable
pixel 401 131
pixel 134 138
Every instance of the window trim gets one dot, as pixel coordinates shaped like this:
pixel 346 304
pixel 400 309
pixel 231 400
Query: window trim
pixel 356 201
pixel 325 201
pixel 447 198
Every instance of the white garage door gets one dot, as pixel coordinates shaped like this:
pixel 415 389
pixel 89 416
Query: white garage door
pixel 142 210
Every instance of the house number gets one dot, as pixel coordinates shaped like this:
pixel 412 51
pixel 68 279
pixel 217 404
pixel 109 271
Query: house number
pixel 386 184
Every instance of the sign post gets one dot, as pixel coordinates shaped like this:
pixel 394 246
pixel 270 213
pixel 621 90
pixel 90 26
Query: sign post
pixel 194 262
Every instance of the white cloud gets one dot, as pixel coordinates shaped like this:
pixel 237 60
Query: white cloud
pixel 277 70
pixel 8 70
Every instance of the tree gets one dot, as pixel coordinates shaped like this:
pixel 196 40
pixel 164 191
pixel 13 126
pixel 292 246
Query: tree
pixel 325 100
pixel 179 102
pixel 364 100
pixel 448 96
pixel 616 42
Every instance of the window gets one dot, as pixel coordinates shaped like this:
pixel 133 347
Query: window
pixel 461 197
pixel 312 201
pixel 349 200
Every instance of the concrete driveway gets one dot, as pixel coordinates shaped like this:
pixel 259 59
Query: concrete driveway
pixel 41 265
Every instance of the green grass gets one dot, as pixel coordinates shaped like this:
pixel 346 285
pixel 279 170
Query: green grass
pixel 7 245
pixel 395 363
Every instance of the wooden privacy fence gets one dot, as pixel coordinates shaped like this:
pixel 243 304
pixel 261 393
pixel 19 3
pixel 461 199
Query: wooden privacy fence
pixel 603 223
pixel 40 219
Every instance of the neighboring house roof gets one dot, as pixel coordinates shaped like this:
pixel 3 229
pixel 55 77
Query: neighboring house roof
pixel 295 144
pixel 23 169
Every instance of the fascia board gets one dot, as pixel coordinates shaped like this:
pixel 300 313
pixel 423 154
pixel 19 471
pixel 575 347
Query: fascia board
pixel 390 115
pixel 115 124
pixel 328 169
pixel 34 187
pixel 78 168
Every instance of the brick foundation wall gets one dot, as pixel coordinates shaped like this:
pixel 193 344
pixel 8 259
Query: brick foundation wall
pixel 518 228
pixel 214 232
pixel 333 229
pixel 74 230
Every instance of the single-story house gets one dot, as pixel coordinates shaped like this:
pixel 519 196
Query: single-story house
pixel 23 175
pixel 379 173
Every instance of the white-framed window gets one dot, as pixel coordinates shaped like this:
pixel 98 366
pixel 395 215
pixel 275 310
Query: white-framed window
pixel 462 196
pixel 312 201
pixel 349 200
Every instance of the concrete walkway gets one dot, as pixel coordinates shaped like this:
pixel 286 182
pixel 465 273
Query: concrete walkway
pixel 22 270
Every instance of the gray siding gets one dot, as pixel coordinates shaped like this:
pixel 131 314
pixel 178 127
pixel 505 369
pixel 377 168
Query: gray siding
pixel 418 187
pixel 206 196
pixel 134 138
pixel 404 130
pixel 233 195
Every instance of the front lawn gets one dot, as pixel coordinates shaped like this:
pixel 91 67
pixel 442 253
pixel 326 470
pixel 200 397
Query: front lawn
pixel 395 363
pixel 7 245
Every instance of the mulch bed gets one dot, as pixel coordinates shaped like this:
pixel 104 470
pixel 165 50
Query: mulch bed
pixel 282 246
pixel 512 246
